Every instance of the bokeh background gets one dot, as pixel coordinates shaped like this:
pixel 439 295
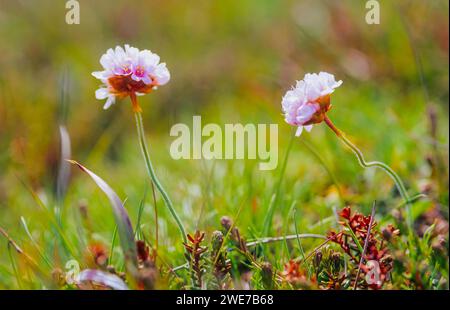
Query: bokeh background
pixel 231 61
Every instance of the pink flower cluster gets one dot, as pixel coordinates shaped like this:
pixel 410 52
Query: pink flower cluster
pixel 129 70
pixel 307 102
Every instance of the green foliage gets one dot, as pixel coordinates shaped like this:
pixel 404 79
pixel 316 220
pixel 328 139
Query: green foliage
pixel 231 61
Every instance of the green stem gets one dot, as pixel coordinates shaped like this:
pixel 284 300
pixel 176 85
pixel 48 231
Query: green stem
pixel 394 176
pixel 273 203
pixel 152 174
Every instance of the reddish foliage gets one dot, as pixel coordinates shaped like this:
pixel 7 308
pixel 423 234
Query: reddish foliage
pixel 195 253
pixel 295 275
pixel 143 251
pixel 377 263
pixel 99 253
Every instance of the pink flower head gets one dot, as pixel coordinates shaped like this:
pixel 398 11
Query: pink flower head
pixel 128 72
pixel 307 102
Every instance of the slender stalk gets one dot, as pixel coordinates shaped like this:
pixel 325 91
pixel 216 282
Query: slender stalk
pixel 14 267
pixel 268 218
pixel 149 166
pixel 113 242
pixel 283 238
pixel 366 243
pixel 302 252
pixel 156 220
pixel 378 164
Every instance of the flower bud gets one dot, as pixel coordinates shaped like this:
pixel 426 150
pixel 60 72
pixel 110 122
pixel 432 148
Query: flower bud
pixel 267 275
pixel 317 259
pixel 216 240
pixel 226 223
pixel 336 261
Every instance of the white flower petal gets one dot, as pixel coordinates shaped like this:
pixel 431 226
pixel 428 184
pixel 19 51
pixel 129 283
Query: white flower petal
pixel 308 128
pixel 131 52
pixel 291 99
pixel 147 80
pixel 306 112
pixel 162 74
pixel 111 100
pixel 149 59
pixel 135 77
pixel 318 85
pixel 120 53
pixel 101 93
pixel 107 62
pixel 102 75
pixel 299 131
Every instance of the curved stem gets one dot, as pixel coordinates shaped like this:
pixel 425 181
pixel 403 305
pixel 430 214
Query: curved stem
pixel 359 155
pixel 151 171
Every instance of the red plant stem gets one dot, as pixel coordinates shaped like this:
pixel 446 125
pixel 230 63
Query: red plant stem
pixel 134 102
pixel 331 125
pixel 318 248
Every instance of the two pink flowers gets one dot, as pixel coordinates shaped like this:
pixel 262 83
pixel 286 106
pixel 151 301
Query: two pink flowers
pixel 130 72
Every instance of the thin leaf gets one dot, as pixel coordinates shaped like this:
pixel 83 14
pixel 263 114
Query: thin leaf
pixel 38 248
pixel 302 252
pixel 51 218
pixel 28 259
pixel 14 267
pixel 64 167
pixel 283 238
pixel 103 278
pixel 355 239
pixel 273 203
pixel 113 243
pixel 366 243
pixel 124 228
pixel 138 222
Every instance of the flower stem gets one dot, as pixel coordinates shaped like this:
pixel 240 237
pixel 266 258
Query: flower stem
pixel 151 171
pixel 394 176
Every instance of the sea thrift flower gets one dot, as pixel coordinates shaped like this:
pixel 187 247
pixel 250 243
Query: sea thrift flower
pixel 129 72
pixel 307 103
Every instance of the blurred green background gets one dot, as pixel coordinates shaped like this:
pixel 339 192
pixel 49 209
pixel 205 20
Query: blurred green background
pixel 231 61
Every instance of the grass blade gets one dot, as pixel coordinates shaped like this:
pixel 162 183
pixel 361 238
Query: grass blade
pixel 366 242
pixel 273 203
pixel 283 238
pixel 38 248
pixel 124 228
pixel 64 167
pixel 138 231
pixel 113 243
pixel 103 278
pixel 14 266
